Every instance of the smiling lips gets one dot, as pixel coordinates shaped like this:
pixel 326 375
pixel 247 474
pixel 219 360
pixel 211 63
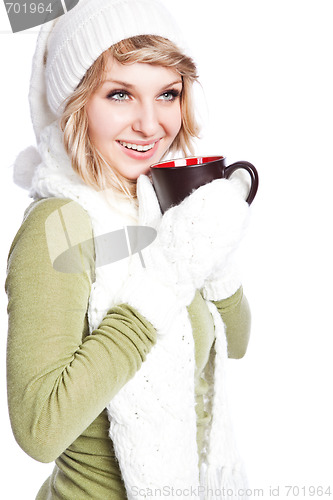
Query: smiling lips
pixel 137 147
pixel 139 151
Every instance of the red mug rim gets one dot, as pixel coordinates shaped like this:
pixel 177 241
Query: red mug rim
pixel 189 161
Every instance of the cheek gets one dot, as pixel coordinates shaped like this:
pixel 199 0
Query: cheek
pixel 103 123
pixel 174 121
pixel 96 121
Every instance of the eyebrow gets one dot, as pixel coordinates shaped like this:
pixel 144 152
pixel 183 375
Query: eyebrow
pixel 131 87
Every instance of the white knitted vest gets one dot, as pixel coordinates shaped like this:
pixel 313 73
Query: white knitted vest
pixel 152 418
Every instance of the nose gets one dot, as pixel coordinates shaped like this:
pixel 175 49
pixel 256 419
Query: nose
pixel 146 121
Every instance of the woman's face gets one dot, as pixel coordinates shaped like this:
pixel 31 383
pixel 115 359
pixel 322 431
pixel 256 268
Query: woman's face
pixel 135 115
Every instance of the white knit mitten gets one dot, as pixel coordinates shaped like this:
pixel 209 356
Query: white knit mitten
pixel 193 240
pixel 154 289
pixel 224 281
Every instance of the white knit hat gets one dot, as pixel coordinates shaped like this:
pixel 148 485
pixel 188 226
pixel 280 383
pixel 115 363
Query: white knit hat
pixel 68 46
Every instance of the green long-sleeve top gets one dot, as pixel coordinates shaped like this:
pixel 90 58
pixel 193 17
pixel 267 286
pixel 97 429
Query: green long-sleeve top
pixel 60 378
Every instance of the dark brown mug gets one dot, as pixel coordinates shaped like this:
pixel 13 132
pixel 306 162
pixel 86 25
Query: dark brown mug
pixel 174 180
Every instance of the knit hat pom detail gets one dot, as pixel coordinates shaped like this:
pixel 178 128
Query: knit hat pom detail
pixel 25 165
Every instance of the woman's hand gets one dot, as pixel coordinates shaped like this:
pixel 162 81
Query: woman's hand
pixel 196 238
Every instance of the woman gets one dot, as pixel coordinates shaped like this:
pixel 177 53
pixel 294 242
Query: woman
pixel 115 365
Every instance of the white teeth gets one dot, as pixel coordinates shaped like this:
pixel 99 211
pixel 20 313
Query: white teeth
pixel 137 147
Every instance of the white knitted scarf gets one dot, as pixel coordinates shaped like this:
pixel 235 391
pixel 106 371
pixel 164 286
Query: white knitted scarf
pixel 152 418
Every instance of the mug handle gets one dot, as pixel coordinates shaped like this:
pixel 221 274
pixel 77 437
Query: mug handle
pixel 230 169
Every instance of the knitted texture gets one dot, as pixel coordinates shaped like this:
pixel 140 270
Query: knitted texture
pixel 223 468
pixel 197 238
pixel 193 242
pixel 200 234
pixel 153 419
pixel 223 282
pixel 41 114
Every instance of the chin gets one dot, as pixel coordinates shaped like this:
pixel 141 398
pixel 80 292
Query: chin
pixel 133 176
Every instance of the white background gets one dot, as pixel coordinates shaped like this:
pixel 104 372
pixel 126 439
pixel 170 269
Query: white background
pixel 266 71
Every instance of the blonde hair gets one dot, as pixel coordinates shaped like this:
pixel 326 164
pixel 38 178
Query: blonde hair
pixel 85 158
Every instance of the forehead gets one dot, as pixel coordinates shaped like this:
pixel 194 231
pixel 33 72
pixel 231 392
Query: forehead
pixel 137 72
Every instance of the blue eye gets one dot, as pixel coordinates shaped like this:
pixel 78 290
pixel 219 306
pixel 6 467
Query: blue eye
pixel 118 96
pixel 170 95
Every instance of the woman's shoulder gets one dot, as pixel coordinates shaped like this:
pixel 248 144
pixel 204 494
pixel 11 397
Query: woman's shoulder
pixel 55 223
pixel 41 210
pixel 57 215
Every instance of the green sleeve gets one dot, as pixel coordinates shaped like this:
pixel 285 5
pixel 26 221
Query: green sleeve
pixel 59 377
pixel 236 316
